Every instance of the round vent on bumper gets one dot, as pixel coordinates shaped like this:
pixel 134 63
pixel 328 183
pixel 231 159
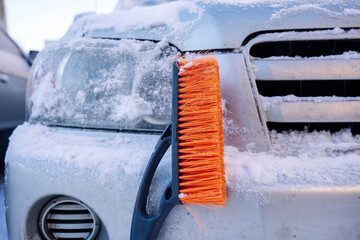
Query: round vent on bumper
pixel 68 218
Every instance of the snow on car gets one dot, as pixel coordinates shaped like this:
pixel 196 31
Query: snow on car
pixel 98 99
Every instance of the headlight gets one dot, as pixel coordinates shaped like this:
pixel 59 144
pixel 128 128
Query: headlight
pixel 117 84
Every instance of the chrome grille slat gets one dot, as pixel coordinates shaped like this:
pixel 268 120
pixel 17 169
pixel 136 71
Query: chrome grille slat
pixel 70 216
pixel 68 207
pixel 314 112
pixel 71 235
pixel 306 69
pixel 70 226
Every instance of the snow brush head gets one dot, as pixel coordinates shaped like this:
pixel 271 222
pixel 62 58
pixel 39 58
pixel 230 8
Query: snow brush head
pixel 200 133
pixel 196 136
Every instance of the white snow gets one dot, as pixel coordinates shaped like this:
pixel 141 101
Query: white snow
pixel 87 150
pixel 298 159
pixel 295 10
pixel 344 56
pixel 158 19
pixel 130 107
pixel 127 4
pixel 186 66
pixel 181 195
pixel 351 11
pixel 44 96
pixel 335 32
pixel 284 8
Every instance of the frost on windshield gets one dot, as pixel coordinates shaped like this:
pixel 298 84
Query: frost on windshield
pixel 174 21
pixel 121 84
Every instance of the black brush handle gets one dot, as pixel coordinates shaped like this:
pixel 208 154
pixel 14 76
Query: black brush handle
pixel 145 227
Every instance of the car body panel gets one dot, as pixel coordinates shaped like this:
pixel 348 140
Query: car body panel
pixel 222 25
pixel 272 212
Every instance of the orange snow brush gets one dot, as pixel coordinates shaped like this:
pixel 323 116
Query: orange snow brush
pixel 196 136
pixel 200 130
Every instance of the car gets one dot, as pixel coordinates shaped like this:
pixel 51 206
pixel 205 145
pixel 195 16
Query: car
pixel 14 70
pixel 99 98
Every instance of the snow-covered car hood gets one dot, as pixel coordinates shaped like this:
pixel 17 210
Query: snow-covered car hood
pixel 298 159
pixel 266 191
pixel 216 24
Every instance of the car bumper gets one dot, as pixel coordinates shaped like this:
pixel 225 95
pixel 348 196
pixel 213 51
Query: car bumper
pixel 109 186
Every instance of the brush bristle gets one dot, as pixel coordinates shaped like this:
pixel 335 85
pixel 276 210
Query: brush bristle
pixel 201 141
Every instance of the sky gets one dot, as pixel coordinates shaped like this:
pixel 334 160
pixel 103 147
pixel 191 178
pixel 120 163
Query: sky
pixel 31 22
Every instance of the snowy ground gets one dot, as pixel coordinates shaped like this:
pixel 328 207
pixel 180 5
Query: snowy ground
pixel 3 232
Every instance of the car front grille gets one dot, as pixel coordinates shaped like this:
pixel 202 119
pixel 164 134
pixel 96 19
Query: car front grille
pixel 307 79
pixel 68 218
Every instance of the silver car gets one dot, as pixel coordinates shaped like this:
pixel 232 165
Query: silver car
pixel 99 98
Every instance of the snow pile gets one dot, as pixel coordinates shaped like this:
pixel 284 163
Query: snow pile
pixel 298 159
pixel 351 11
pixel 318 8
pixel 117 84
pixel 83 149
pixel 130 107
pixel 44 96
pixel 174 20
pixel 344 56
pixel 335 32
pixel 127 4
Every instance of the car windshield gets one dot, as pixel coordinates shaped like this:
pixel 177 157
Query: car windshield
pixel 117 84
